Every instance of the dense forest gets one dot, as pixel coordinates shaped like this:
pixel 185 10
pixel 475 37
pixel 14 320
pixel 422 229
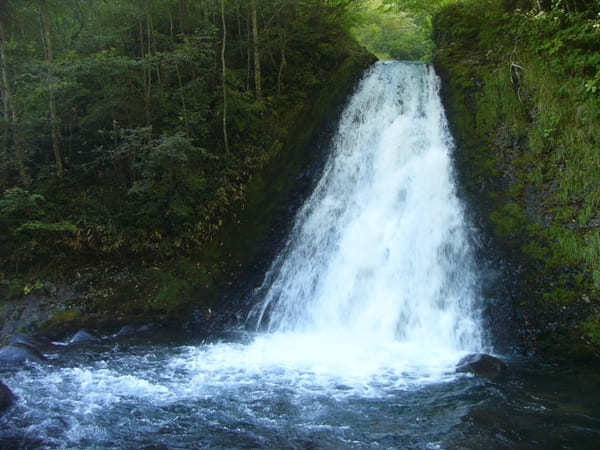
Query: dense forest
pixel 147 144
pixel 130 131
pixel 130 126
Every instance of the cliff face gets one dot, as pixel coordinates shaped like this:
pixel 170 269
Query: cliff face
pixel 521 92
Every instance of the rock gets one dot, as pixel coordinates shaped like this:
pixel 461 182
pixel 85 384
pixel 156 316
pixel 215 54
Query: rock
pixel 29 341
pixel 127 330
pixel 7 398
pixel 82 336
pixel 481 364
pixel 19 354
pixel 34 309
pixel 145 329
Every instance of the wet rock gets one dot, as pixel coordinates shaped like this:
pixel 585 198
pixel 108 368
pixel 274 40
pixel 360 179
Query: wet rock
pixel 23 339
pixel 481 364
pixel 14 354
pixel 7 398
pixel 127 330
pixel 82 336
pixel 144 329
pixel 34 309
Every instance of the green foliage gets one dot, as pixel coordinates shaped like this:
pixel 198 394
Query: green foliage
pixel 150 202
pixel 36 227
pixel 591 330
pixel 12 288
pixel 64 316
pixel 429 7
pixel 527 118
pixel 509 220
pixel 25 231
pixel 17 204
pixel 392 34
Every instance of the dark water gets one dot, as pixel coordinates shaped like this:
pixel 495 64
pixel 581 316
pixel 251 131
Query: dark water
pixel 135 394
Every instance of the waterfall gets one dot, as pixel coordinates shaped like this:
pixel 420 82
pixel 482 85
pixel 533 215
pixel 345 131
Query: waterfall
pixel 379 252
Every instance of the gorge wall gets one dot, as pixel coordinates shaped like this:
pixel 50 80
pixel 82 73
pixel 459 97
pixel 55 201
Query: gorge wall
pixel 521 93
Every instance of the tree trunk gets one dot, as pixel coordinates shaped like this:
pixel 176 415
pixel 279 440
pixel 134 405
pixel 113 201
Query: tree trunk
pixel 248 53
pixel 182 98
pixel 9 105
pixel 51 101
pixel 282 65
pixel 224 72
pixel 148 94
pixel 257 72
pixel 4 92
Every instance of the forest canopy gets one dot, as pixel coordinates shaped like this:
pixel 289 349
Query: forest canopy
pixel 132 126
pixel 391 32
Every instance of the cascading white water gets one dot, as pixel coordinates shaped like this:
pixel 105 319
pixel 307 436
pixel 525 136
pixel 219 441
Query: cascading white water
pixel 378 253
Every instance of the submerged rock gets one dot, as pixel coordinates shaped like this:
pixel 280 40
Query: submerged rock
pixel 7 398
pixel 82 336
pixel 481 364
pixel 19 354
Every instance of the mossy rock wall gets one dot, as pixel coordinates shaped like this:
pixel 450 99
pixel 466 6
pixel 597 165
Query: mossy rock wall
pixel 519 89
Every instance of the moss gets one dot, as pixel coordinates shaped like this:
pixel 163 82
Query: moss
pixel 508 220
pixel 560 296
pixel 63 321
pixel 591 330
pixel 527 150
pixel 67 315
pixel 171 295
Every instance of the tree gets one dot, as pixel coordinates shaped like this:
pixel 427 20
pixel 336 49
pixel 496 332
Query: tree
pixel 224 75
pixel 49 56
pixel 255 41
pixel 9 106
pixel 123 94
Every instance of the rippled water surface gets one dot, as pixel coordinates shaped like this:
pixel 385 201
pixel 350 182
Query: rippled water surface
pixel 137 394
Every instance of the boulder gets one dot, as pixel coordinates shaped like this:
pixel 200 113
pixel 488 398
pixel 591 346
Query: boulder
pixel 82 336
pixel 481 364
pixel 7 398
pixel 19 353
pixel 126 330
pixel 144 329
pixel 23 339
